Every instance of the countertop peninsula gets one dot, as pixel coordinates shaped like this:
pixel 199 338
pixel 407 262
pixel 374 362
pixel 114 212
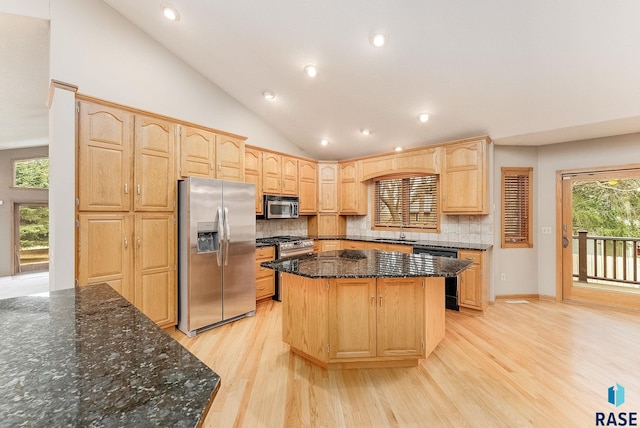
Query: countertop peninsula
pixel 87 357
pixel 368 264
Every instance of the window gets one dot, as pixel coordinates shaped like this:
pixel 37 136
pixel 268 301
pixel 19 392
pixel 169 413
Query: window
pixel 410 202
pixel 31 173
pixel 517 207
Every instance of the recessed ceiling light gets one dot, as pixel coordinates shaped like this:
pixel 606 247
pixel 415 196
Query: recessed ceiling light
pixel 398 149
pixel 311 70
pixel 170 12
pixel 324 142
pixel 365 131
pixel 423 117
pixel 378 39
pixel 268 94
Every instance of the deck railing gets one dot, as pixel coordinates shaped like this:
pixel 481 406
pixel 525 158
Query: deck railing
pixel 606 259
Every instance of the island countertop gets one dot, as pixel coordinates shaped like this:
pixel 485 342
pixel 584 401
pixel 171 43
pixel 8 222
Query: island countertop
pixel 87 357
pixel 368 264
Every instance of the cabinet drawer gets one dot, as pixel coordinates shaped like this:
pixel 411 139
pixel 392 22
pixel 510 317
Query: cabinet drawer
pixel 265 253
pixel 265 287
pixel 263 271
pixel 475 256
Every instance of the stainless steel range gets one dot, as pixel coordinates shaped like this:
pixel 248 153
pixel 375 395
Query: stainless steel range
pixel 287 246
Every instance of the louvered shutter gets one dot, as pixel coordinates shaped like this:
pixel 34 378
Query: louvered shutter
pixel 517 207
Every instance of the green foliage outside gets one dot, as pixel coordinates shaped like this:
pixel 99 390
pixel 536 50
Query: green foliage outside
pixel 607 208
pixel 34 227
pixel 33 173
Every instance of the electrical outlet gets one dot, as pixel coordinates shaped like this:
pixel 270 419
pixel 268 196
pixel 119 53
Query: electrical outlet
pixel 503 277
pixel 546 231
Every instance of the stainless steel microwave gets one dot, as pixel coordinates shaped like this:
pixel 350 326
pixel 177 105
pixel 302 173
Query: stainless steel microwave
pixel 276 207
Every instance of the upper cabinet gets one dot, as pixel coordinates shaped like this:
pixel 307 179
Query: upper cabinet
pixel 308 187
pixel 253 174
pixel 352 192
pixel 327 187
pixel 464 177
pixel 413 161
pixel 206 154
pixel 105 159
pixel 154 176
pixel 279 174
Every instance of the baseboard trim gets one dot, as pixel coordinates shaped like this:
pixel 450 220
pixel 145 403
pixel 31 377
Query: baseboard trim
pixel 517 296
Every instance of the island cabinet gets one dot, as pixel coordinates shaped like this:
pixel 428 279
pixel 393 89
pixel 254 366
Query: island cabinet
pixel 352 192
pixel 363 322
pixel 253 174
pixel 464 177
pixel 204 153
pixel 474 290
pixel 371 318
pixel 265 278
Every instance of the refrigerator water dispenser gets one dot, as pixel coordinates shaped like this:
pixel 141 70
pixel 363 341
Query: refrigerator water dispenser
pixel 207 241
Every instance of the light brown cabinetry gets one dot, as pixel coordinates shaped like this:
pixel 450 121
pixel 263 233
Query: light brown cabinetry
pixel 355 245
pixel 265 278
pixel 352 192
pixel 327 225
pixel 464 182
pixel 253 174
pixel 154 177
pixel 330 245
pixel 327 187
pixel 376 318
pixel 105 159
pixel 416 161
pixel 279 174
pixel 135 254
pixel 308 187
pixel 363 322
pixel 204 153
pixel 474 290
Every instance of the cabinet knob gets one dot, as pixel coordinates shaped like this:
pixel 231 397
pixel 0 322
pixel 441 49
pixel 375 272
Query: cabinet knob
pixel 126 243
pixel 139 242
pixel 139 188
pixel 126 188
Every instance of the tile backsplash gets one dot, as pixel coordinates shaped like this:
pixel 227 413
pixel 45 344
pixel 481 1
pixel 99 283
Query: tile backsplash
pixel 453 228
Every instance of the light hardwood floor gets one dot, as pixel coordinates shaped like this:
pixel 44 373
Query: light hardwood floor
pixel 540 364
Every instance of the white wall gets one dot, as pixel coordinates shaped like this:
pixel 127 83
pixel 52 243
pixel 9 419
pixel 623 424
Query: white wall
pixel 98 50
pixel 519 265
pixel 610 151
pixel 33 8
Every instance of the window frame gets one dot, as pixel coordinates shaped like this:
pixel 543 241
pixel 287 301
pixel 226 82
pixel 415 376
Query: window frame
pixel 525 207
pixel 14 164
pixel 405 227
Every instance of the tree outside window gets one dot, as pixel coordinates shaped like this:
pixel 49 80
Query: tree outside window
pixel 408 202
pixel 31 173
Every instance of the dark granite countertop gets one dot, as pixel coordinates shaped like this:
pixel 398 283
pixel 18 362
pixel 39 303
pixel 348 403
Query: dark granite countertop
pixel 89 358
pixel 368 264
pixel 263 244
pixel 415 243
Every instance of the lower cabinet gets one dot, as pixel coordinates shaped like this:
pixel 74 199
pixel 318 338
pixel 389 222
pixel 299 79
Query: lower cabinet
pixel 265 278
pixel 330 245
pixel 135 254
pixel 376 318
pixel 472 285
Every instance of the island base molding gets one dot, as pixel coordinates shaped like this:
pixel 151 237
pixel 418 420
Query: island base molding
pixel 378 363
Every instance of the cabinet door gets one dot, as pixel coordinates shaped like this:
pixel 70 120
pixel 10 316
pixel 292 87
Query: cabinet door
pixel 464 178
pixel 424 160
pixel 197 152
pixel 352 318
pixel 400 317
pixel 354 245
pixel 271 173
pixel 105 251
pixel 289 176
pixel 154 164
pixel 470 281
pixel 104 158
pixel 308 187
pixel 327 187
pixel 230 158
pixel 265 278
pixel 155 293
pixel 352 193
pixel 253 174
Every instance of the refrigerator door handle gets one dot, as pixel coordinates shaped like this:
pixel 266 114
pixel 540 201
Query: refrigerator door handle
pixel 220 237
pixel 227 235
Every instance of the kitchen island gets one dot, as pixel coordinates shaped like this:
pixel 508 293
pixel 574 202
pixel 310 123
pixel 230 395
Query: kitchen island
pixel 87 357
pixel 364 308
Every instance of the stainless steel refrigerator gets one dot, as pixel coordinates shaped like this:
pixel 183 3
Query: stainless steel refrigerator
pixel 216 253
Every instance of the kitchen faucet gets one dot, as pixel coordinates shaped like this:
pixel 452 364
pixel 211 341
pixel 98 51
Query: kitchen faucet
pixel 402 235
